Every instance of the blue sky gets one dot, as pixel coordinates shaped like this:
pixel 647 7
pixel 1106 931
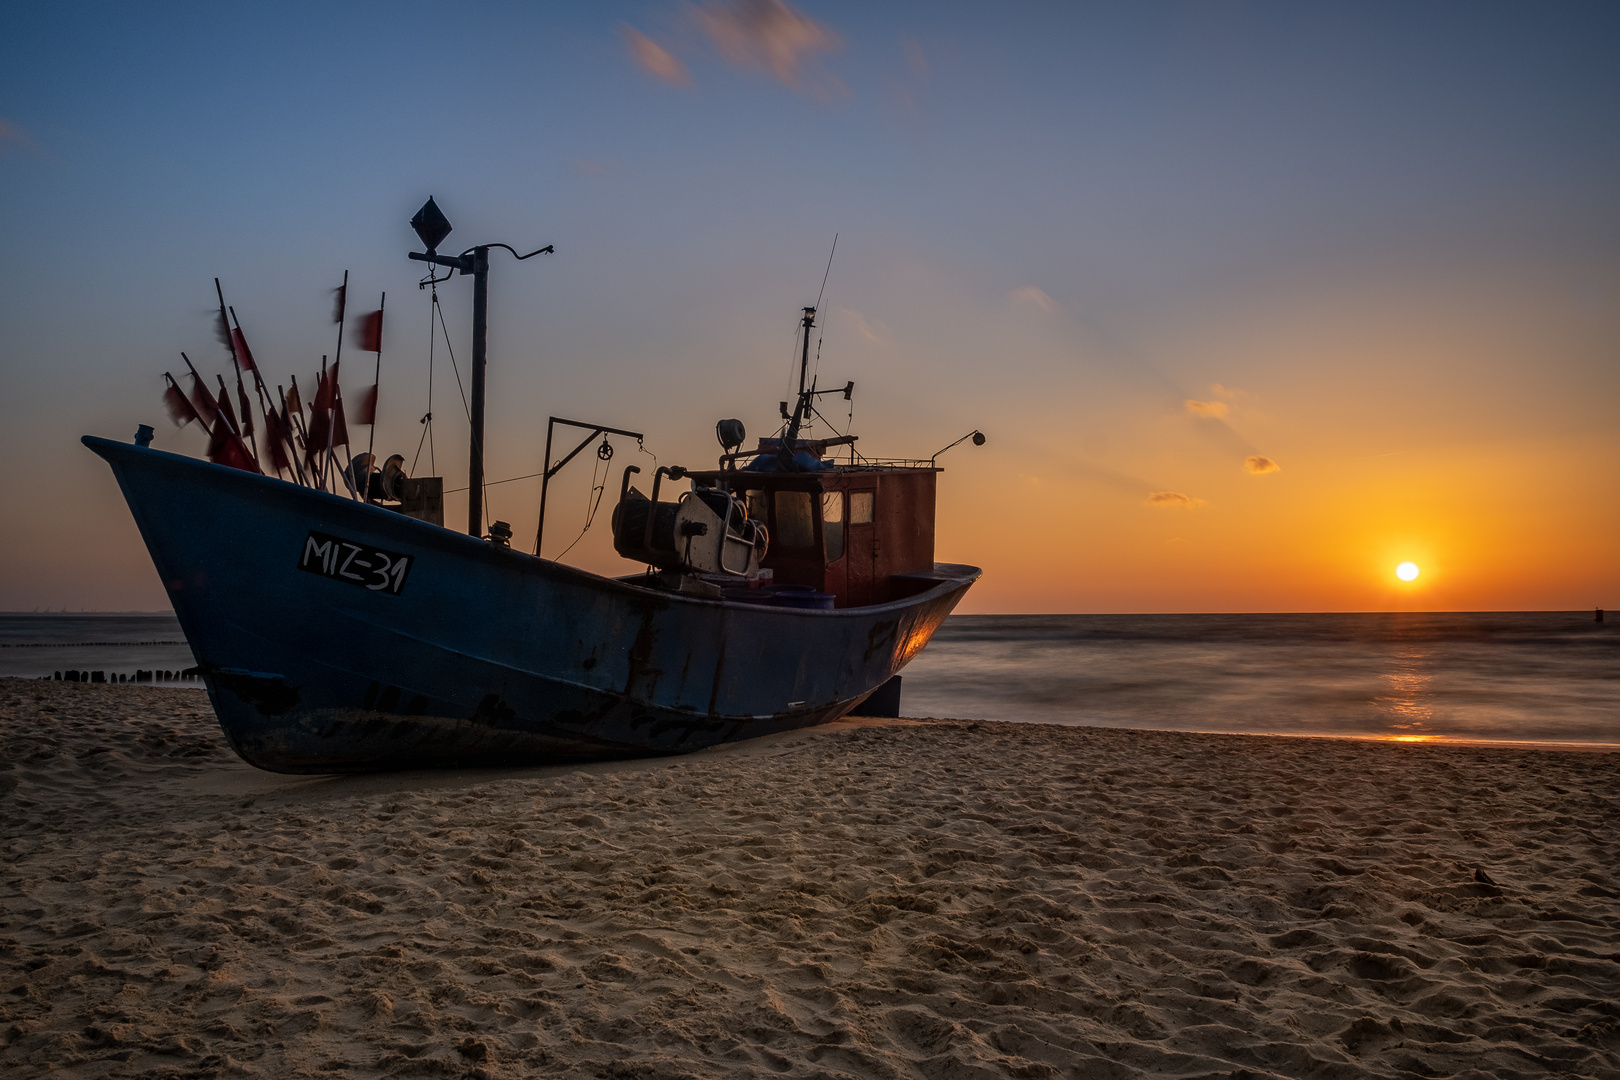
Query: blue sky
pixel 1384 229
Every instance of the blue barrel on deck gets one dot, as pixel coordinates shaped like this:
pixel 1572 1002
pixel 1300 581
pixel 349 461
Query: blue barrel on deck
pixel 804 597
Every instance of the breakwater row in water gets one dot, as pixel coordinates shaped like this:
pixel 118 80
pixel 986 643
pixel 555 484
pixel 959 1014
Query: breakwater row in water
pixel 190 674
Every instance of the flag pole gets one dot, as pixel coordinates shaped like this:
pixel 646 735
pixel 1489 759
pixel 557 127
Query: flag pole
pixel 342 312
pixel 296 430
pixel 376 393
pixel 265 406
pixel 236 365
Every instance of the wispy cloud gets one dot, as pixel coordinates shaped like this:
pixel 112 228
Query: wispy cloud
pixel 653 58
pixel 15 136
pixel 1260 465
pixel 1213 410
pixel 870 329
pixel 769 35
pixel 910 89
pixel 1032 296
pixel 587 167
pixel 1173 500
pixel 916 59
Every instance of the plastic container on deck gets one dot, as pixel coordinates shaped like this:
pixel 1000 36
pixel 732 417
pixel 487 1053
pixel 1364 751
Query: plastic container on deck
pixel 790 596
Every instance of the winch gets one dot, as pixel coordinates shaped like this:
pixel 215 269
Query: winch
pixel 706 531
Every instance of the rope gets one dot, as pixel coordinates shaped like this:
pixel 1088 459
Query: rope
pixel 598 487
pixel 427 418
pixel 465 408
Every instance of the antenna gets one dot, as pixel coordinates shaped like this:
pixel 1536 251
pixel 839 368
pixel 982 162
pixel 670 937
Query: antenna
pixel 830 255
pixel 821 331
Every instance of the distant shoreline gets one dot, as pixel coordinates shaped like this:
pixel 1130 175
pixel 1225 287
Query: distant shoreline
pixel 1060 614
pixel 96 614
pixel 1440 741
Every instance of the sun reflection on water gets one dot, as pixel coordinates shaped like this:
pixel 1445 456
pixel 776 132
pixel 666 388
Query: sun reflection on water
pixel 1405 706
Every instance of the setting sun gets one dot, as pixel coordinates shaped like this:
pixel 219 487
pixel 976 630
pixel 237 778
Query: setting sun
pixel 1407 571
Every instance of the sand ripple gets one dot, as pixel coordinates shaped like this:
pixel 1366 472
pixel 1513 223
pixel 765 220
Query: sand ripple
pixel 941 900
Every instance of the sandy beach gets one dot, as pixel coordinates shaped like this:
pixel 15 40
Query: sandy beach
pixel 938 899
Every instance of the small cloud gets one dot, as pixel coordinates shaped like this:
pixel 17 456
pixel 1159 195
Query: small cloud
pixel 1224 392
pixel 1173 499
pixel 1259 465
pixel 654 59
pixel 1033 296
pixel 14 135
pixel 587 167
pixel 916 59
pixel 870 329
pixel 1212 410
pixel 768 35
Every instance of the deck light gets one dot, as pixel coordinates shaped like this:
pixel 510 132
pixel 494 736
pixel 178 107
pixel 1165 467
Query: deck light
pixel 976 435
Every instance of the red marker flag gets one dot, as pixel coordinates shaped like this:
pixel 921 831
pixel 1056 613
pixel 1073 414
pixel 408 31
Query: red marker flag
pixel 244 355
pixel 320 420
pixel 203 401
pixel 315 438
pixel 276 430
pixel 226 447
pixel 222 329
pixel 180 410
pixel 225 409
pixel 231 452
pixel 368 331
pixel 366 411
pixel 322 401
pixel 340 429
pixel 247 408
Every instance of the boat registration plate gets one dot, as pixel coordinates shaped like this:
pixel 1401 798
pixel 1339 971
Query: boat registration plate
pixel 358 564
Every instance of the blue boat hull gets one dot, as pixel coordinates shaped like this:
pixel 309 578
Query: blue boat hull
pixel 471 653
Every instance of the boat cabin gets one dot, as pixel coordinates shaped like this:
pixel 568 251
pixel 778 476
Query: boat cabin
pixel 854 531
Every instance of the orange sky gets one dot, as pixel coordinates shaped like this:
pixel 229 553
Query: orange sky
pixel 1137 247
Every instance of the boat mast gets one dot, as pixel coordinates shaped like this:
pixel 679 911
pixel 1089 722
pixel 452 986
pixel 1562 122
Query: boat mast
pixel 790 437
pixel 431 228
pixel 480 363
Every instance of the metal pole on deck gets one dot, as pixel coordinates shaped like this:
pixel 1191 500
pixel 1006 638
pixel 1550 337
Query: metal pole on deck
pixel 480 362
pixel 432 227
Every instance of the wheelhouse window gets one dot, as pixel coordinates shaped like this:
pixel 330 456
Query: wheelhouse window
pixel 860 507
pixel 832 524
pixel 795 520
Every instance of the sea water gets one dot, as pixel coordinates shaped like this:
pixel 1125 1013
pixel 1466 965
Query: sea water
pixel 34 645
pixel 1504 676
pixel 1547 677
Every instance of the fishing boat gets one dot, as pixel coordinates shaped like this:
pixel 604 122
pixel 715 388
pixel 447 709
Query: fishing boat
pixel 337 632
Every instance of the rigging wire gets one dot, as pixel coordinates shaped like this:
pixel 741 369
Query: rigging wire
pixel 427 418
pixel 465 408
pixel 492 483
pixel 598 487
pixel 788 393
pixel 821 325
